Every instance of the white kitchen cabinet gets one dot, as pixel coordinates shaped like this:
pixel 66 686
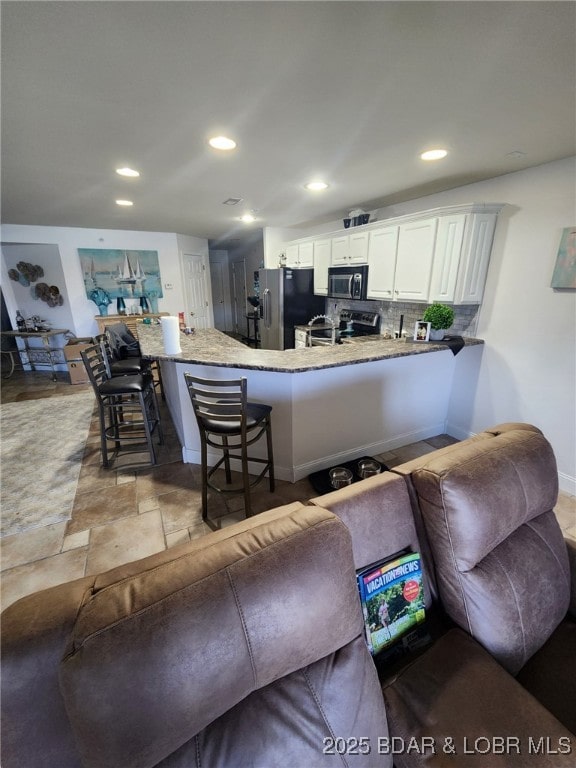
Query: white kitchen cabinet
pixel 475 258
pixel 322 252
pixel 382 249
pixel 339 256
pixel 436 255
pixel 414 256
pixel 447 257
pixel 300 255
pixel 358 248
pixel 461 257
pixel 350 249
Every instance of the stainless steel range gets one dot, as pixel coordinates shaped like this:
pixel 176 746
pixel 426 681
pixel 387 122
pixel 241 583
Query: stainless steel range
pixel 355 325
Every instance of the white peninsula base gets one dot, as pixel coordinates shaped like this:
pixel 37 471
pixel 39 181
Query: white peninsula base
pixel 324 417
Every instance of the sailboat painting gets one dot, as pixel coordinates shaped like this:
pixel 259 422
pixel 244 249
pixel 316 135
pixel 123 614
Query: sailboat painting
pixel 125 274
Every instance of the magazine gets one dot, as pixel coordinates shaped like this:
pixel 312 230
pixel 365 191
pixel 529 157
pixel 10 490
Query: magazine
pixel 392 597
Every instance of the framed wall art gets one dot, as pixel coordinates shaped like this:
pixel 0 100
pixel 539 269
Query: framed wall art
pixel 564 275
pixel 121 274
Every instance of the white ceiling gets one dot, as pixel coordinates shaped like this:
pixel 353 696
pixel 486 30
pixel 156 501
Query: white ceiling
pixel 348 91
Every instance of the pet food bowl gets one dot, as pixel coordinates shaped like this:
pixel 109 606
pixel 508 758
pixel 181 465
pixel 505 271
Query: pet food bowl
pixel 339 477
pixel 368 467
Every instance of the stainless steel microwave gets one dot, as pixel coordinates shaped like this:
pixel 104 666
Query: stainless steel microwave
pixel 348 282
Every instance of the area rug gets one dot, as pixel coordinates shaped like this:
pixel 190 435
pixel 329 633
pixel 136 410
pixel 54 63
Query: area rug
pixel 41 448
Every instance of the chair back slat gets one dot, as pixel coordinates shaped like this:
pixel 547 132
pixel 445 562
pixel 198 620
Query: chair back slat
pixel 95 364
pixel 223 401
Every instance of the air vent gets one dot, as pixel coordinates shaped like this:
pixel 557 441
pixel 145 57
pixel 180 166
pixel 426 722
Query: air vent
pixel 232 201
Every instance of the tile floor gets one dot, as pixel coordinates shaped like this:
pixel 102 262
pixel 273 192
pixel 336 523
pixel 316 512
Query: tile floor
pixel 119 516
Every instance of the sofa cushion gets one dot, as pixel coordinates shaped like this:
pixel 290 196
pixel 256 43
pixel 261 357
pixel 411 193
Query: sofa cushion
pixel 191 638
pixel 455 705
pixel 490 488
pixel 312 717
pixel 501 562
pixel 550 675
pixel 378 514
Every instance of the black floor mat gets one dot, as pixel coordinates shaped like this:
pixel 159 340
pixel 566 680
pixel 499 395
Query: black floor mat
pixel 321 480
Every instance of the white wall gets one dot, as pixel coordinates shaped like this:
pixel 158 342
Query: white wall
pixel 68 240
pixel 528 367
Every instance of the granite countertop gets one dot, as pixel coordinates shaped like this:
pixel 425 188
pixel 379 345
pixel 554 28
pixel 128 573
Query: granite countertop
pixel 211 347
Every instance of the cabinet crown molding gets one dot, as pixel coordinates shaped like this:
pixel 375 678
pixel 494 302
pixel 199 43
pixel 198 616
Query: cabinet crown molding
pixel 431 213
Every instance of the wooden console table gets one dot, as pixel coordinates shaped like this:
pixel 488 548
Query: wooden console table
pixel 47 354
pixel 131 321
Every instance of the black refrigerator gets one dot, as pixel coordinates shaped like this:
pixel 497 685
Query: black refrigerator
pixel 287 299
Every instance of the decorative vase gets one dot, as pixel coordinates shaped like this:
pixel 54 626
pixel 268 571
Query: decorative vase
pixel 436 334
pixel 144 304
pixel 103 309
pixel 153 299
pixel 120 306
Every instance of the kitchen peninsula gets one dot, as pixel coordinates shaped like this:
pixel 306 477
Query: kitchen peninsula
pixel 330 403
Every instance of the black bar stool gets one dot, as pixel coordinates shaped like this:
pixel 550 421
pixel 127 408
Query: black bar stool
pixel 127 407
pixel 126 366
pixel 228 422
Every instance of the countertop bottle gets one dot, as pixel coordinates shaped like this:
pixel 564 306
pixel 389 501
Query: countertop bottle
pixel 20 322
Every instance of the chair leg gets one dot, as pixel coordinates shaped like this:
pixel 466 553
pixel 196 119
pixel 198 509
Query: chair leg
pixel 271 478
pixel 226 452
pixel 156 417
pixel 246 480
pixel 103 445
pixel 147 430
pixel 204 471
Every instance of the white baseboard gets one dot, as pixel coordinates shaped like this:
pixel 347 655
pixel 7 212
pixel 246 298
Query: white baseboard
pixel 567 483
pixel 370 449
pixel 291 475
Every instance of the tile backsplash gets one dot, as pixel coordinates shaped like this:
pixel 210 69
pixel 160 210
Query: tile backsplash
pixel 465 316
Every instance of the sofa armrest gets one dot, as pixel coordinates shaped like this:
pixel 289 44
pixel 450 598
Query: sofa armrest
pixel 571 547
pixel 35 727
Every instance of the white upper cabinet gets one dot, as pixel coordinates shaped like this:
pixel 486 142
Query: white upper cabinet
pixel 461 257
pixel 339 251
pixel 300 255
pixel 475 258
pixel 437 255
pixel 350 249
pixel 447 257
pixel 382 248
pixel 322 251
pixel 416 241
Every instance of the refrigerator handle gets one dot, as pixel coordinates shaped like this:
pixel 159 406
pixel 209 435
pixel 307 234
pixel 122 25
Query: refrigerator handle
pixel 266 303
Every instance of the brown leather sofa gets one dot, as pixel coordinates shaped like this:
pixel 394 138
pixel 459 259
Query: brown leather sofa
pixel 245 647
pixel 488 499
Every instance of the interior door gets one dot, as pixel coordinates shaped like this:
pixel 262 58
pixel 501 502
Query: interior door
pixel 239 295
pixel 197 291
pixel 220 293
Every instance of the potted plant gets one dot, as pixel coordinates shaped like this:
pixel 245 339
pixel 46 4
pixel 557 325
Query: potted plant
pixel 440 317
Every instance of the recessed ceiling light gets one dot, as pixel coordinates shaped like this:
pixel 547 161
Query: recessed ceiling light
pixel 248 218
pixel 124 202
pixel 222 142
pixel 127 172
pixel 434 154
pixel 316 186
